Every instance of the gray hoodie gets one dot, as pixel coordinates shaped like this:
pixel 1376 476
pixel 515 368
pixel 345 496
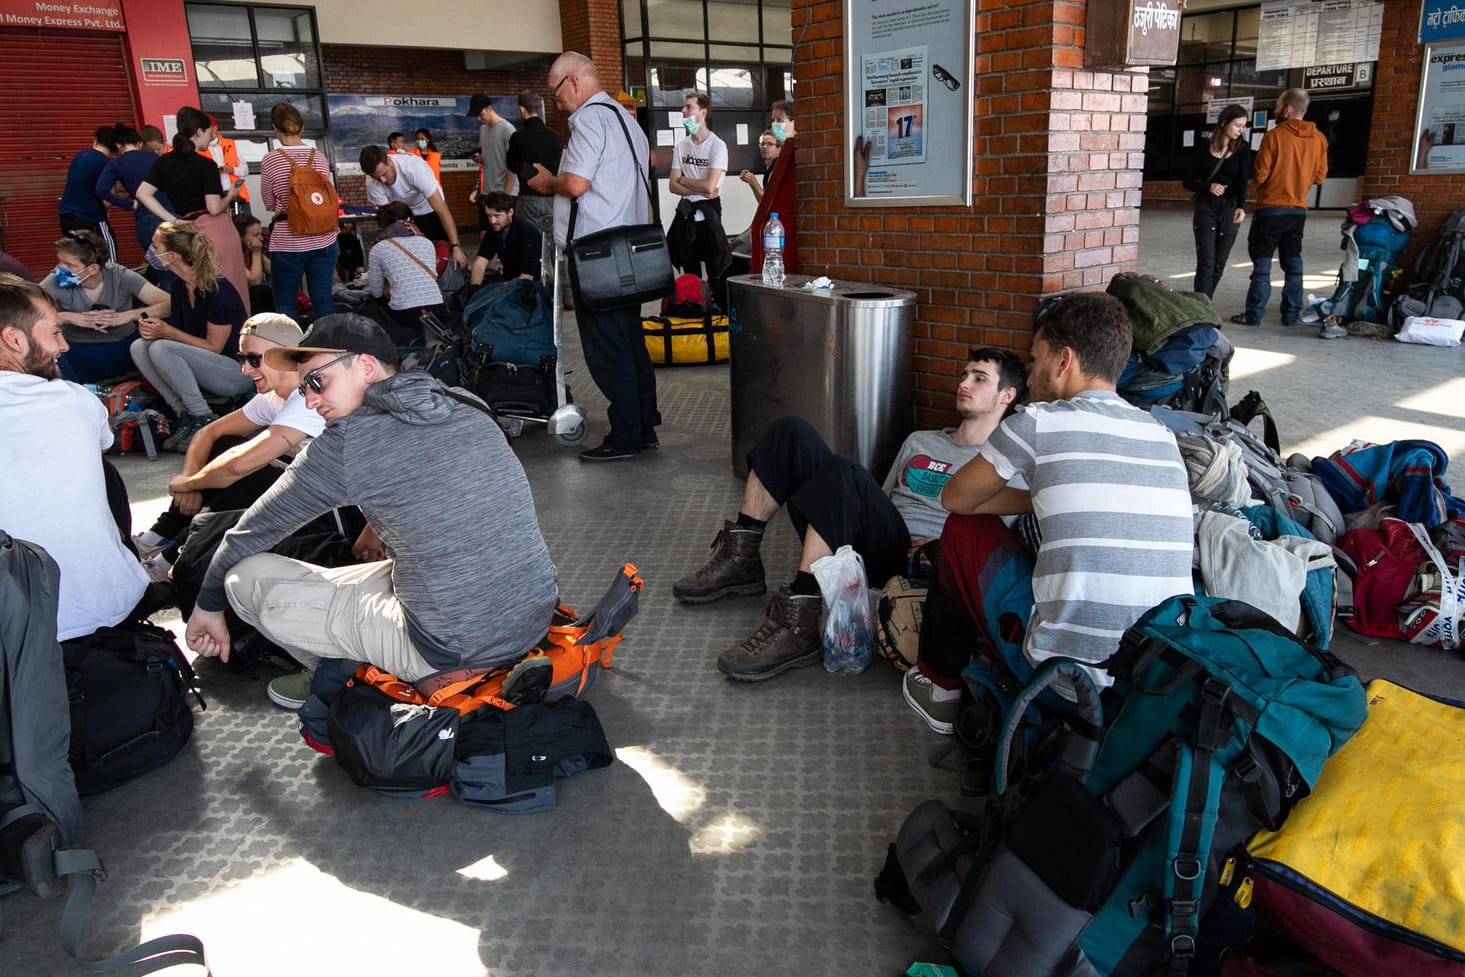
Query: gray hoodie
pixel 440 485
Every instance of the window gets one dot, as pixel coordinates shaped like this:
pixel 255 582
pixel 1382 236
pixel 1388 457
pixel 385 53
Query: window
pixel 258 56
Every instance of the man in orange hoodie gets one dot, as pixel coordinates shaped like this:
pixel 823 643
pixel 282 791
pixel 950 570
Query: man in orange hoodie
pixel 1292 158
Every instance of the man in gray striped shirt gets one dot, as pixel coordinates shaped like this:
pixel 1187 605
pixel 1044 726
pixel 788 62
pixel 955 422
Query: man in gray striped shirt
pixel 1105 482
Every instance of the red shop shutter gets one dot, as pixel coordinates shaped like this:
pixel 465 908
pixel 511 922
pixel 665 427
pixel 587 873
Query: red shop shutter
pixel 56 88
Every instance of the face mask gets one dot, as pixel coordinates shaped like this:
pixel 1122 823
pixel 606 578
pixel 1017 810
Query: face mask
pixel 780 131
pixel 154 259
pixel 67 278
pixel 691 125
pixel 422 144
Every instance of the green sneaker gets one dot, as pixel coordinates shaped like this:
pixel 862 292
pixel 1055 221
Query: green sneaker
pixel 290 691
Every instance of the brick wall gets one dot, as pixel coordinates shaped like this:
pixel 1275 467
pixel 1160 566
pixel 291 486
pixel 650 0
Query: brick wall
pixel 1056 186
pixel 1391 136
pixel 593 28
pixel 392 71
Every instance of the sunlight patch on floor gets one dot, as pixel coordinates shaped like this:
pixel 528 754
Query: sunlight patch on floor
pixel 1446 399
pixel 683 798
pixel 484 870
pixel 306 912
pixel 1380 430
pixel 1250 362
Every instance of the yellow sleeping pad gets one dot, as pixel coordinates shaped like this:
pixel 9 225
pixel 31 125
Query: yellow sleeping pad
pixel 686 341
pixel 1384 830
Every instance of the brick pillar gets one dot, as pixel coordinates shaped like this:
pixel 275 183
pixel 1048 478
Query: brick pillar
pixel 593 27
pixel 1058 156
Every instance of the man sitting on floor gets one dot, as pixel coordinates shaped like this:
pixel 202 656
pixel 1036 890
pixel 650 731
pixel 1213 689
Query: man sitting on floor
pixel 1104 479
pixel 231 461
pixel 833 501
pixel 511 248
pixel 467 581
pixel 57 486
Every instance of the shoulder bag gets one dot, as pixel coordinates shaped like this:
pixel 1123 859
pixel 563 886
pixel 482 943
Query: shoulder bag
pixel 619 266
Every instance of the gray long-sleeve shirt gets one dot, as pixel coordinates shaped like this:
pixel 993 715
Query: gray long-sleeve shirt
pixel 440 485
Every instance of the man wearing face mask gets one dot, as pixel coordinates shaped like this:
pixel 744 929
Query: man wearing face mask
pixel 699 163
pixel 55 433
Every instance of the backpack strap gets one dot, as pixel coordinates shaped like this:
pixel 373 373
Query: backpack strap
pixel 1087 727
pixel 403 249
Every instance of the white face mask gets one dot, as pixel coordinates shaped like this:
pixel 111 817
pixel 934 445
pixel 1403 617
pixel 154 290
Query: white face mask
pixel 422 144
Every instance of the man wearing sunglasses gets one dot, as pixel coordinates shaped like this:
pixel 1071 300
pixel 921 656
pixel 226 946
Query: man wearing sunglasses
pixel 467 581
pixel 231 461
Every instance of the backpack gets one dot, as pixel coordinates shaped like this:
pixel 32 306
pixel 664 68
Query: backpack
pixel 40 813
pixel 1180 355
pixel 1439 271
pixel 128 688
pixel 1217 723
pixel 313 206
pixel 510 322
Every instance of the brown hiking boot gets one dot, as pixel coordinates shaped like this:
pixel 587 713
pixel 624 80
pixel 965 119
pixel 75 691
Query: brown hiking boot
pixel 735 570
pixel 787 638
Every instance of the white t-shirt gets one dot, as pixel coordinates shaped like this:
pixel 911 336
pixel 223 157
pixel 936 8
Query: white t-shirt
pixel 269 410
pixel 415 184
pixel 55 496
pixel 697 161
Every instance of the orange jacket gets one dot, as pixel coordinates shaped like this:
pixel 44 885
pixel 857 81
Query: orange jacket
pixel 231 159
pixel 434 161
pixel 1291 160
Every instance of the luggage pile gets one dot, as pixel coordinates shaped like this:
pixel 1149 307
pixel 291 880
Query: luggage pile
pixel 1181 358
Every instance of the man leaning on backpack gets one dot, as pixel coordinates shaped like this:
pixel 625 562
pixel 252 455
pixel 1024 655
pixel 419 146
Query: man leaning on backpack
pixel 57 483
pixel 466 581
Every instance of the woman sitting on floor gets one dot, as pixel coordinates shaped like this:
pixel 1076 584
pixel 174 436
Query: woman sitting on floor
pixel 194 349
pixel 96 297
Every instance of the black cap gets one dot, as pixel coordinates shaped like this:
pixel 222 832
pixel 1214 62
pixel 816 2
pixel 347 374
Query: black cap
pixel 478 103
pixel 345 332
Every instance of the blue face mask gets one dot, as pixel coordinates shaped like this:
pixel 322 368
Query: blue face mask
pixel 67 278
pixel 691 125
pixel 780 131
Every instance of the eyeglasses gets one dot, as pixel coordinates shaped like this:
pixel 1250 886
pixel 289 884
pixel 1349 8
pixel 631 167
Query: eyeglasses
pixel 944 77
pixel 253 359
pixel 555 91
pixel 313 382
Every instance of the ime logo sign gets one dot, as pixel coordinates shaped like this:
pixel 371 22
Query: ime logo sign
pixel 164 70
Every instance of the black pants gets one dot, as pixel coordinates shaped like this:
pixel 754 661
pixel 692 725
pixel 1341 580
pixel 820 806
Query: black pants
pixel 173 524
pixel 70 222
pixel 431 226
pixel 615 351
pixel 1215 234
pixel 705 249
pixel 837 496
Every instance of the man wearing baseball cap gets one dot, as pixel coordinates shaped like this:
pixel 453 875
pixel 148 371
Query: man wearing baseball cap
pixel 467 581
pixel 231 461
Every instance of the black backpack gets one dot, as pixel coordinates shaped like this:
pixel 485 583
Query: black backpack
pixel 40 813
pixel 1439 271
pixel 128 689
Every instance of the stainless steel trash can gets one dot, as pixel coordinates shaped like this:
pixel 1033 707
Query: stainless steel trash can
pixel 838 357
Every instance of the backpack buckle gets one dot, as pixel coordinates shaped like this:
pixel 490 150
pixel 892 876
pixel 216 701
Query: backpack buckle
pixel 1187 868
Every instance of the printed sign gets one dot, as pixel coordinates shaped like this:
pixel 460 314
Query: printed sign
pixel 367 120
pixel 1439 129
pixel 95 16
pixel 1326 77
pixel 1441 20
pixel 163 71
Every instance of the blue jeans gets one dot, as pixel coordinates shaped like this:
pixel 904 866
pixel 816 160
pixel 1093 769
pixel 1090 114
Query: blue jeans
pixel 317 267
pixel 95 362
pixel 1276 229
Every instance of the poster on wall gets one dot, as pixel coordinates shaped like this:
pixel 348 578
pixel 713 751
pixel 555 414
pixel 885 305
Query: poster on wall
pixel 1302 33
pixel 366 120
pixel 1439 129
pixel 908 110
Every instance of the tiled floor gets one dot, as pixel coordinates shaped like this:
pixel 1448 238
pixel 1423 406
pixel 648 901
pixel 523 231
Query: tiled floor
pixel 738 834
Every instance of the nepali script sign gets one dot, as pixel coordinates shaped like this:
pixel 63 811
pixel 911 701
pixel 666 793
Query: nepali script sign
pixel 1441 20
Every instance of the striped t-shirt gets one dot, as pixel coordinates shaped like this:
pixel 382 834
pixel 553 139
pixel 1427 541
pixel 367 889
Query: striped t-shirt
pixel 1112 502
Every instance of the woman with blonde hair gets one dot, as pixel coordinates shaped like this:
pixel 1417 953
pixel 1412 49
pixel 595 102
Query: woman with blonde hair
pixel 189 178
pixel 194 349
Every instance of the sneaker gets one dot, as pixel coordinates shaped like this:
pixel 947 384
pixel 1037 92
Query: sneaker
pixel 290 691
pixel 937 706
pixel 1332 329
pixel 735 570
pixel 158 568
pixel 1246 319
pixel 787 638
pixel 528 681
pixel 149 543
pixel 609 452
pixel 188 426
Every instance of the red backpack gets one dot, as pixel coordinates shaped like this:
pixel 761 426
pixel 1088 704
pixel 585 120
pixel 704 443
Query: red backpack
pixel 1384 563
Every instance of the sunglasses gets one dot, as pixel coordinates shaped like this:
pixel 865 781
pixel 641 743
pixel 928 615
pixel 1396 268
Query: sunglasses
pixel 313 381
pixel 253 359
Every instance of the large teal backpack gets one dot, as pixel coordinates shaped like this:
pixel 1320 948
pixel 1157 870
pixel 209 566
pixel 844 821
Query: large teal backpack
pixel 1218 721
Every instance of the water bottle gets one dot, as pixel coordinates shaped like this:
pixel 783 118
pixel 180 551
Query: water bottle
pixel 773 252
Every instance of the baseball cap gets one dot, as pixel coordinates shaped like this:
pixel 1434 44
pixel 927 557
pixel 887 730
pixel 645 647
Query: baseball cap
pixel 477 104
pixel 344 332
pixel 273 326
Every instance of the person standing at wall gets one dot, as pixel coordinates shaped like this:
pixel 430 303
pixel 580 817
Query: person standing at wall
pixel 81 207
pixel 294 256
pixel 768 149
pixel 535 142
pixel 1291 160
pixel 604 170
pixel 426 149
pixel 1218 174
pixel 698 165
pixel 132 164
pixel 494 134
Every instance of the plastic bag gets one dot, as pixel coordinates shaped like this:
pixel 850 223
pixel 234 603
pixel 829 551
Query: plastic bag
pixel 848 636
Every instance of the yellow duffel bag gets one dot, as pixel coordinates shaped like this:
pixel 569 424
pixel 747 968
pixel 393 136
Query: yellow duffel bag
pixel 683 341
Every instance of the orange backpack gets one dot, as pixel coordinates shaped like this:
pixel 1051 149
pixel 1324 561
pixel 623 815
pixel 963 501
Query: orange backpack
pixel 313 205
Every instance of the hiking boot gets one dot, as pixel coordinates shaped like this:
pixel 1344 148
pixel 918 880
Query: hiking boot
pixel 290 691
pixel 188 426
pixel 1332 329
pixel 528 681
pixel 937 706
pixel 787 638
pixel 735 570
